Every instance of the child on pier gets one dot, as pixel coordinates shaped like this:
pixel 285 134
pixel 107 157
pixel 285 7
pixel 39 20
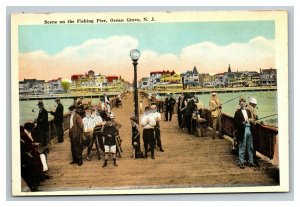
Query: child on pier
pixel 137 153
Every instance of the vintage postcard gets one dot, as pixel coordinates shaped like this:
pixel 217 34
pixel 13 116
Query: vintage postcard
pixel 149 103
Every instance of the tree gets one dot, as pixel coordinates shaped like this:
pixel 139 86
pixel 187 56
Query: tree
pixel 65 85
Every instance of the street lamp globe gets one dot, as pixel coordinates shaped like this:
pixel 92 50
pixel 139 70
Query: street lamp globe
pixel 135 54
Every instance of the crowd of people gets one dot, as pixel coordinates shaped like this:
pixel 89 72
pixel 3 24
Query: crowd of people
pixel 191 114
pixel 95 125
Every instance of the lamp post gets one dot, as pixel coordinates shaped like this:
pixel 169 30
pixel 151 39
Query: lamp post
pixel 135 55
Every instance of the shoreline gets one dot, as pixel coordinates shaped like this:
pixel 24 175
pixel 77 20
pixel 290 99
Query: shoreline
pixel 209 90
pixel 174 91
pixel 69 96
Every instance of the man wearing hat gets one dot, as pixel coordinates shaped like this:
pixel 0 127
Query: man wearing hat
pixel 216 114
pixel 169 102
pixel 43 125
pixel 58 120
pixel 80 107
pixel 188 113
pixel 252 108
pixel 242 120
pixel 76 136
pixel 181 105
pixel 118 138
pixel 157 118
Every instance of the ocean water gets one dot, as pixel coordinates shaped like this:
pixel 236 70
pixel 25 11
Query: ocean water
pixel 29 109
pixel 267 105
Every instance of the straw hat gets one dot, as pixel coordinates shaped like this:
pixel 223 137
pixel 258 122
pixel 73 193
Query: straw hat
pixel 253 101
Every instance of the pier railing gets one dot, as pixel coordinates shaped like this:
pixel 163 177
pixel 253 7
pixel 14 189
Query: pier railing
pixel 264 137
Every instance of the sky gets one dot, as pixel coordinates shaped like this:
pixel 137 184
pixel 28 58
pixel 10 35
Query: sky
pixel 51 51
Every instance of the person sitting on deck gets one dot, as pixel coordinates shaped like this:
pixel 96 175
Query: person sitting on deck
pixel 109 132
pixel 33 162
pixel 242 120
pixel 201 118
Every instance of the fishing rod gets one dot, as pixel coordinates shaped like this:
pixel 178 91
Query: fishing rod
pixel 232 99
pixel 267 117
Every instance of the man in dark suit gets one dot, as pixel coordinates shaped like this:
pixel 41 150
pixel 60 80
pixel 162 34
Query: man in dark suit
pixel 58 120
pixel 190 108
pixel 242 120
pixel 169 102
pixel 76 136
pixel 43 125
pixel 181 105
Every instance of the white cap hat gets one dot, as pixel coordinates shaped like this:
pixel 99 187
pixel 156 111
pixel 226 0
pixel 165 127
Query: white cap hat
pixel 213 93
pixel 253 100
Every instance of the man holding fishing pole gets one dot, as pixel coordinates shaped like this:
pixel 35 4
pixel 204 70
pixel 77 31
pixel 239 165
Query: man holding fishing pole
pixel 216 114
pixel 251 107
pixel 242 120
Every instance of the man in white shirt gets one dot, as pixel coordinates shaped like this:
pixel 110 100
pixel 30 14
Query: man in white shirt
pixel 148 123
pixel 88 128
pixel 157 118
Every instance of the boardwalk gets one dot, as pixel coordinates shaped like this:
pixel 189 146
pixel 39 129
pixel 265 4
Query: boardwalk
pixel 188 161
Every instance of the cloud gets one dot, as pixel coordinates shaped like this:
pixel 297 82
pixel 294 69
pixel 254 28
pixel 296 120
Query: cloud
pixel 111 57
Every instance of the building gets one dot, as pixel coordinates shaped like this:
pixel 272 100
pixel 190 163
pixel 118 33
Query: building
pixel 268 77
pixel 145 83
pixel 154 78
pixel 31 87
pixel 170 77
pixel 206 80
pixel 192 78
pixel 54 86
pixel 91 82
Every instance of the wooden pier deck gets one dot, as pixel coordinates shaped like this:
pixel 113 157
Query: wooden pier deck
pixel 188 161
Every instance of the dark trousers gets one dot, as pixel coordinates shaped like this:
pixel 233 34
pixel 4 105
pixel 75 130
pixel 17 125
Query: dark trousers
pixel 149 139
pixel 44 137
pixel 76 149
pixel 168 111
pixel 180 120
pixel 59 132
pixel 188 120
pixel 89 142
pixel 157 135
